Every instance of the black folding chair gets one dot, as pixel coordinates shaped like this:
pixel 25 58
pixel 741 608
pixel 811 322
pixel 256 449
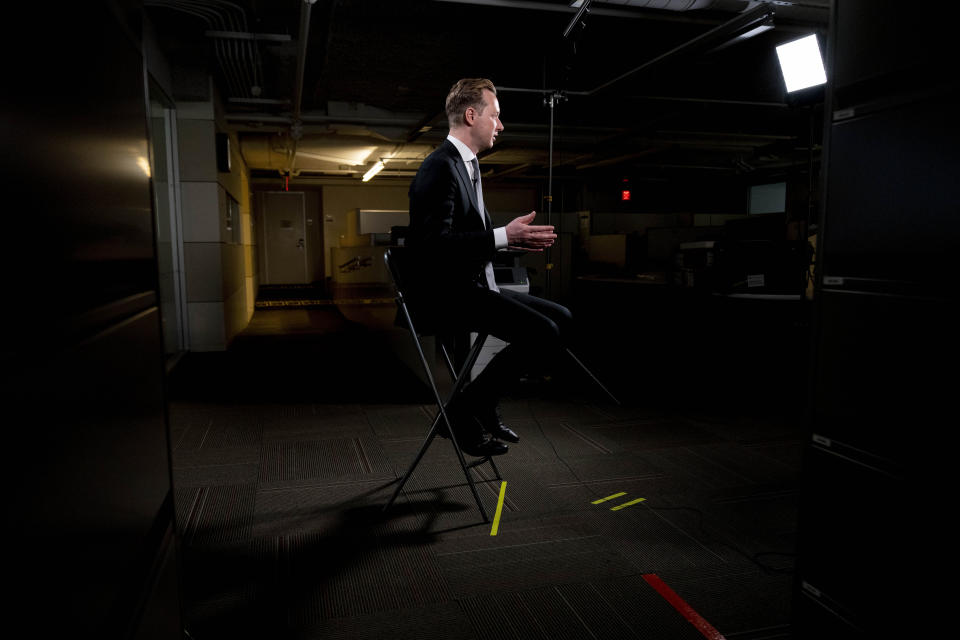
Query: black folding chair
pixel 394 260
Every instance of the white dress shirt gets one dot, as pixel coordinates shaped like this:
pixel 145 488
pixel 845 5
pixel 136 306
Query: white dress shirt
pixel 499 233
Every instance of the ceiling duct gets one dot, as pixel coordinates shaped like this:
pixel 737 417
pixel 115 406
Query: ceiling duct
pixel 668 5
pixel 329 154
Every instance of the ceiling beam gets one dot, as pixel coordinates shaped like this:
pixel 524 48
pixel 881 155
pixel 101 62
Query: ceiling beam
pixel 244 35
pixel 597 11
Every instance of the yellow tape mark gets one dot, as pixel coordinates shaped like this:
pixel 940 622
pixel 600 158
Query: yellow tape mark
pixel 616 495
pixel 496 518
pixel 626 504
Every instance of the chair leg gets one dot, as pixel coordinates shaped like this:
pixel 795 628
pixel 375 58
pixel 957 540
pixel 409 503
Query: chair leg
pixel 469 360
pixel 442 414
pixel 423 449
pixel 466 471
pixel 496 471
pixel 593 377
pixel 458 384
pixel 413 465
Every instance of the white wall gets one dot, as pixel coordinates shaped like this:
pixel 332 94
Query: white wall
pixel 339 200
pixel 221 273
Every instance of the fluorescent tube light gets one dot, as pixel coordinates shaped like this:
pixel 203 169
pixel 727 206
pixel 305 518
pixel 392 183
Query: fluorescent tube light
pixel 801 63
pixel 374 170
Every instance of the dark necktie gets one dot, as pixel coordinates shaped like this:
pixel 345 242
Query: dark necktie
pixel 478 189
pixel 476 171
pixel 488 268
pixel 476 181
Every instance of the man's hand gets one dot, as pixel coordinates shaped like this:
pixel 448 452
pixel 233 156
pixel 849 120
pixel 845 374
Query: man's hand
pixel 523 235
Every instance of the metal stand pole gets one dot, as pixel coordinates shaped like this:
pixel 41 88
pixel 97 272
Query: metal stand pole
pixel 551 102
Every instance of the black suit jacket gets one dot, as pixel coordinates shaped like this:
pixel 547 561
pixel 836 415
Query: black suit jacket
pixel 449 238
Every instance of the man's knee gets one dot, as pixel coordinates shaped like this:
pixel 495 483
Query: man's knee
pixel 561 320
pixel 564 318
pixel 547 335
pixel 552 331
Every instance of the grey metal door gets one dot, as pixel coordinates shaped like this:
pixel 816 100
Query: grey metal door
pixel 284 237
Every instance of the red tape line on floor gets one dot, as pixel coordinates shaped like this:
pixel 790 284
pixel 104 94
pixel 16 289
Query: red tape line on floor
pixel 680 605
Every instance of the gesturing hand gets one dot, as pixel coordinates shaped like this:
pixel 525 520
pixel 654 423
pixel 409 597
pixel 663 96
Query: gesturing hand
pixel 523 235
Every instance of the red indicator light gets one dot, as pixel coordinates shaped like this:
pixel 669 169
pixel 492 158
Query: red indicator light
pixel 625 195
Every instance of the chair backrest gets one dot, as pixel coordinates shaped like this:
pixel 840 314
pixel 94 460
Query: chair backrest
pixel 392 257
pixel 396 260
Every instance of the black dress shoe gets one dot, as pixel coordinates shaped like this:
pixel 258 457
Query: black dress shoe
pixel 493 424
pixel 484 448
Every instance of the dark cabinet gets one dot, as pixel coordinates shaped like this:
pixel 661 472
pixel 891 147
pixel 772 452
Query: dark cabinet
pixel 884 319
pixel 89 526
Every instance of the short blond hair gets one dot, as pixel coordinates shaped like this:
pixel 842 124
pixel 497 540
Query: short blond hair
pixel 467 92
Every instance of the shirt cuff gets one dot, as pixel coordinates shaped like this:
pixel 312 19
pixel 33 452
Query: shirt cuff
pixel 500 238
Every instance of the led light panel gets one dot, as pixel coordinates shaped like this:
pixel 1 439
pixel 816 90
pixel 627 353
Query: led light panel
pixel 801 63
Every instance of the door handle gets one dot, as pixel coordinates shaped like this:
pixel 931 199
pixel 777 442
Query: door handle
pixel 300 243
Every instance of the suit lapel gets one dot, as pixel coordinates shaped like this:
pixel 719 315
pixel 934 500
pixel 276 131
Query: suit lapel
pixel 465 183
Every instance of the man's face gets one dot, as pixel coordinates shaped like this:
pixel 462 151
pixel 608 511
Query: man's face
pixel 486 123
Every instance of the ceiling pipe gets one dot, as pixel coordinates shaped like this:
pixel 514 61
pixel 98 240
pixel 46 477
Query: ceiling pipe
pixel 296 126
pixel 232 72
pixel 305 8
pixel 671 16
pixel 425 124
pixel 716 37
pixel 319 119
pixel 671 5
pixel 743 23
pixel 742 103
pixel 796 15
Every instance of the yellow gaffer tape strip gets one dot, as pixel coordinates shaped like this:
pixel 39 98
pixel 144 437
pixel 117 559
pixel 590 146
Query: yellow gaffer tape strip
pixel 496 518
pixel 616 495
pixel 626 504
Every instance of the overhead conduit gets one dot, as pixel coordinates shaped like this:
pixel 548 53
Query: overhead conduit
pixel 239 60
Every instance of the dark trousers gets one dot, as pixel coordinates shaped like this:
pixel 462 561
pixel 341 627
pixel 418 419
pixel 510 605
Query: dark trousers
pixel 534 329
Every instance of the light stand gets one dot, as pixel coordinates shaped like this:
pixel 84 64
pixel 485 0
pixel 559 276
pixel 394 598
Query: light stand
pixel 550 101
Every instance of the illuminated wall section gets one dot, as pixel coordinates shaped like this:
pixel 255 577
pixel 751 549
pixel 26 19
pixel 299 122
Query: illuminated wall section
pixel 221 271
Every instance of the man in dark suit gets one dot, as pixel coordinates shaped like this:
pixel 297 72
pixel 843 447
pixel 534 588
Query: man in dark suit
pixel 453 242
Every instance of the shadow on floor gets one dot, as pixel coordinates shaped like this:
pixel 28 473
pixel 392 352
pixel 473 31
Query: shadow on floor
pixel 286 447
pixel 299 356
